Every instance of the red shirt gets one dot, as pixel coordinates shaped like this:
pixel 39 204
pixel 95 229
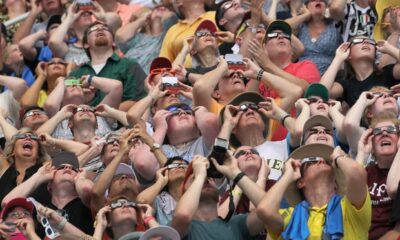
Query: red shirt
pixel 305 70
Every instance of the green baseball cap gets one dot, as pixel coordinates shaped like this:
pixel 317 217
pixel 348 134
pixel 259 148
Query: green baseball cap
pixel 317 90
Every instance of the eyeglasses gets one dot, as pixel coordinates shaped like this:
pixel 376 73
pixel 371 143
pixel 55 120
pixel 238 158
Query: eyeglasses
pixel 177 165
pixel 112 141
pixel 161 71
pixel 204 34
pixel 122 203
pixel 384 94
pixel 64 167
pixel 244 152
pixel 52 62
pixel 316 100
pixel 247 106
pixel 278 34
pixel 34 112
pixel 322 130
pixel 356 41
pixel 19 214
pixel 389 129
pixel 307 162
pixel 50 232
pixel 26 136
pixel 83 109
pixel 98 28
pixel 176 109
pixel 72 82
pixel 238 74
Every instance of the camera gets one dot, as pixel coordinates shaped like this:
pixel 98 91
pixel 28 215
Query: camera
pixel 235 61
pixel 84 5
pixel 219 153
pixel 171 84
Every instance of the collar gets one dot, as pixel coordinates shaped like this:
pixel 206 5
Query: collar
pixel 114 57
pixel 199 18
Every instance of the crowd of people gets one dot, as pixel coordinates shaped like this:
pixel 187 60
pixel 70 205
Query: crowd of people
pixel 200 119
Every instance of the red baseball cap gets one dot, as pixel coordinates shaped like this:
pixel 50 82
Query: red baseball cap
pixel 159 63
pixel 16 202
pixel 207 24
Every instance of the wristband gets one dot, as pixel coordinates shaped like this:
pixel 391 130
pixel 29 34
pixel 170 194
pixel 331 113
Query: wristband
pixel 284 118
pixel 90 79
pixel 187 76
pixel 336 158
pixel 238 178
pixel 147 219
pixel 61 224
pixel 259 75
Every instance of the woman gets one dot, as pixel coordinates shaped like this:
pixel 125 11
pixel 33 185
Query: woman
pixel 318 34
pixel 23 156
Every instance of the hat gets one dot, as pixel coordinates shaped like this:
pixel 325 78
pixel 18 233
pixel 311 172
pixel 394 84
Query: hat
pixel 132 236
pixel 66 158
pixel 124 169
pixel 244 97
pixel 317 89
pixel 16 202
pixel 207 24
pixel 160 62
pixel 279 25
pixel 317 120
pixel 165 232
pixel 314 150
pixel 55 19
pixel 380 6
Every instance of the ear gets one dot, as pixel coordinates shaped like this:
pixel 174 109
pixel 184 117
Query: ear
pixel 70 124
pixel 216 94
pixel 178 3
pixel 86 46
pixel 300 183
pixel 369 114
pixel 222 21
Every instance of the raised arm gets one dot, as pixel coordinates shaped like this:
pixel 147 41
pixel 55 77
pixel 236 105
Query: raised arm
pixel 111 114
pixel 302 107
pixel 50 125
pixel 149 194
pixel 25 28
pixel 83 187
pixel 16 85
pixel 392 40
pixel 207 123
pixel 64 144
pixel 111 87
pixel 8 129
pixel 31 96
pixel 295 21
pixel 338 120
pixel 393 177
pixel 55 98
pixel 337 9
pixel 27 44
pixel 128 31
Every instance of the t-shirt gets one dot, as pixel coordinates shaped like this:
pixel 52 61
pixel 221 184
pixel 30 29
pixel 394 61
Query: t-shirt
pixel 352 88
pixel 164 205
pixel 357 21
pixel 305 70
pixel 187 152
pixel 356 222
pixel 381 202
pixel 275 153
pixel 234 229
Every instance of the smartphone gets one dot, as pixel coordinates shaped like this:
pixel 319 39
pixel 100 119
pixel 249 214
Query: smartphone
pixel 84 5
pixel 235 61
pixel 171 84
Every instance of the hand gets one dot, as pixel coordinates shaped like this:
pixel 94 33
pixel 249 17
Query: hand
pixel 187 44
pixel 36 7
pixel 98 11
pixel 343 51
pixel 334 106
pixel 46 172
pixel 81 175
pixel 97 143
pixel 26 226
pixel 139 131
pixel 146 210
pixel 180 72
pixel 259 54
pixel 53 217
pixel 85 81
pixel 156 93
pixel 223 65
pixel 73 13
pixel 251 69
pixel 160 119
pixel 383 46
pixel 365 142
pixel 101 217
pixel 187 91
pixel 60 80
pixel 41 70
pixel 125 140
pixel 368 97
pixel 292 169
pixel 200 165
pixel 68 110
pixel 5 230
pixel 42 34
pixel 232 115
pixel 301 104
pixel 227 37
pixel 230 167
pixel 103 110
pixel 336 153
pixel 396 90
pixel 264 171
pixel 305 11
pixel 162 176
pixel 269 108
pixel 46 139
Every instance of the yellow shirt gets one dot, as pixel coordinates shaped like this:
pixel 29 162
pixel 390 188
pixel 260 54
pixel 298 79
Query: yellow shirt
pixel 356 222
pixel 42 98
pixel 173 40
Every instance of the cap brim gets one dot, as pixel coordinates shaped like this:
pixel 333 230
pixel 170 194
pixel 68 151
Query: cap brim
pixel 317 89
pixel 317 120
pixel 160 62
pixel 208 25
pixel 161 231
pixel 124 169
pixel 16 202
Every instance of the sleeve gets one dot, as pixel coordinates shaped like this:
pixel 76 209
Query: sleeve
pixel 166 49
pixel 286 214
pixel 358 218
pixel 389 76
pixel 134 84
pixel 395 214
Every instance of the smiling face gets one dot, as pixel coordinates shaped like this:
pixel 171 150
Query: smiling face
pixel 384 141
pixel 26 146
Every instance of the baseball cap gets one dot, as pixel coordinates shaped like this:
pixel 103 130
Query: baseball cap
pixel 318 90
pixel 124 169
pixel 164 232
pixel 160 62
pixel 279 25
pixel 66 158
pixel 207 24
pixel 16 202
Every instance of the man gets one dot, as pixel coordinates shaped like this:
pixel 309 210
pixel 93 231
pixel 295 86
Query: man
pixel 62 187
pixel 192 13
pixel 196 215
pixel 319 174
pixel 34 117
pixel 99 43
pixel 355 18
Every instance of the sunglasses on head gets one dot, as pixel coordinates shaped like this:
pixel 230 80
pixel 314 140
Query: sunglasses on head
pixel 52 62
pixel 34 112
pixel 64 167
pixel 121 203
pixel 83 109
pixel 240 153
pixel 278 34
pixel 177 165
pixel 246 106
pixel 200 34
pixel 389 129
pixel 26 135
pixel 356 41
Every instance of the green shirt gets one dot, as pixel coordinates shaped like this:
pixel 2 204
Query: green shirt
pixel 127 71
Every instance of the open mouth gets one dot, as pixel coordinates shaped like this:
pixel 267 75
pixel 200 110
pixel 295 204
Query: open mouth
pixel 386 143
pixel 322 139
pixel 365 47
pixel 27 146
pixel 321 107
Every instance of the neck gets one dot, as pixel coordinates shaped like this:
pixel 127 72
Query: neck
pixel 363 69
pixel 207 211
pixel 252 174
pixel 362 3
pixel 17 67
pixel 156 26
pixel 320 192
pixel 250 137
pixel 178 140
pixel 100 56
pixel 122 229
pixel 192 10
pixel 22 163
pixel 282 60
pixel 51 82
pixel 384 162
pixel 208 57
pixel 84 133
pixel 16 9
pixel 175 189
pixel 108 5
pixel 63 194
pixel 317 20
pixel 233 25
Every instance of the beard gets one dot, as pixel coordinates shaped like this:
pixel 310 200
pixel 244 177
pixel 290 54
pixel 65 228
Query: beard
pixel 101 42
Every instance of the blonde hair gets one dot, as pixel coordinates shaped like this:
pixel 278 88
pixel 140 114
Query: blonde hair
pixel 383 117
pixel 376 89
pixel 9 149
